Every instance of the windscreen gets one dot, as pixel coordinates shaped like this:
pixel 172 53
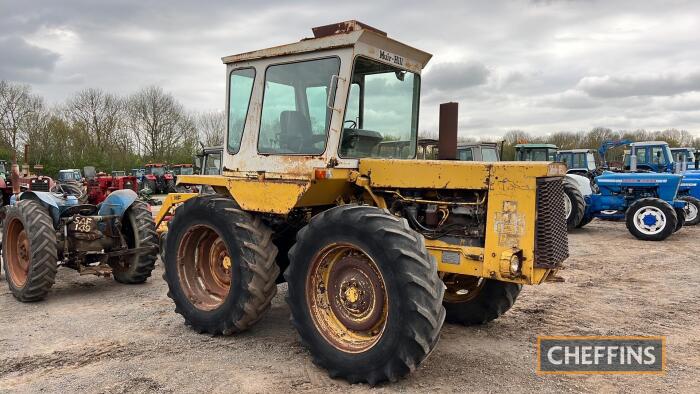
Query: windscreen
pixel 381 119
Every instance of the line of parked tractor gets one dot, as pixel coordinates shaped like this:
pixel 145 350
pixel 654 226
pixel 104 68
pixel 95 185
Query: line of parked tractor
pixel 655 189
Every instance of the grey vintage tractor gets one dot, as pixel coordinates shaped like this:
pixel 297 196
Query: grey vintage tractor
pixel 43 231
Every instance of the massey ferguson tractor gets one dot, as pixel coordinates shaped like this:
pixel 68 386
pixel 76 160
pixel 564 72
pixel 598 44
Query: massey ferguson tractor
pixel 100 185
pixel 158 179
pixel 43 231
pixel 377 251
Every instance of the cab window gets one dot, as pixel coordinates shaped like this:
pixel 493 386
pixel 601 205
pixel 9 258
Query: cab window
pixel 657 155
pixel 295 116
pixel 381 119
pixel 465 154
pixel 489 154
pixel 240 89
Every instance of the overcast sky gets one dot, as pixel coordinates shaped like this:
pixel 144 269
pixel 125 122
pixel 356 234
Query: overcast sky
pixel 539 66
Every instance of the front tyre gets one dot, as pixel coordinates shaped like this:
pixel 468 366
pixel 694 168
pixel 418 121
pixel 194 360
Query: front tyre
pixel 219 265
pixel 651 219
pixel 364 294
pixel 29 251
pixel 692 210
pixel 139 231
pixel 470 300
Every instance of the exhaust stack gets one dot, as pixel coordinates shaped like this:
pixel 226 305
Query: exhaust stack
pixel 447 139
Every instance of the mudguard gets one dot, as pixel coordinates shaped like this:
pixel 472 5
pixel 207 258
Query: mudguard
pixel 583 183
pixel 117 202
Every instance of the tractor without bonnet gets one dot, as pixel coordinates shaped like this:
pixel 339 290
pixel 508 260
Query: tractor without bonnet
pixel 158 179
pixel 43 231
pixel 377 251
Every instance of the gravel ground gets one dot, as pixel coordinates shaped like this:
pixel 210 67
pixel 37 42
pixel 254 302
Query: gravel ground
pixel 92 334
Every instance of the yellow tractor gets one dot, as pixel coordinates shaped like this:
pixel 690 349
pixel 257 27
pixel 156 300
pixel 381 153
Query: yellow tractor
pixel 320 180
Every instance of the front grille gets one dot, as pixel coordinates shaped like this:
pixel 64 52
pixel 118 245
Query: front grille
pixel 551 240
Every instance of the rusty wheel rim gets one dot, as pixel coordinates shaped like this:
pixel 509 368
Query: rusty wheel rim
pixel 204 267
pixel 347 298
pixel 18 253
pixel 462 288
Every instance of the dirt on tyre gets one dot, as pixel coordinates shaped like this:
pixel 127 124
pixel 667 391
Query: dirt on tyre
pixel 219 265
pixel 692 210
pixel 364 294
pixel 139 231
pixel 651 219
pixel 574 204
pixel 470 300
pixel 29 250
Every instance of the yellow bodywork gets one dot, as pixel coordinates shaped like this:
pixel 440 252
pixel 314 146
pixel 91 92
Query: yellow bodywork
pixel 511 208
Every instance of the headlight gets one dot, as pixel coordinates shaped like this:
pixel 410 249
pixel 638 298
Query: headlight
pixel 556 169
pixel 515 264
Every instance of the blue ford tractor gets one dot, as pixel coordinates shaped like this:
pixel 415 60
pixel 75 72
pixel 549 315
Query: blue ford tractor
pixel 646 201
pixel 43 231
pixel 656 156
pixel 686 155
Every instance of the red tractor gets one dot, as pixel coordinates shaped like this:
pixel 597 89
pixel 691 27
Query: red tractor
pixel 122 181
pixel 100 185
pixel 183 169
pixel 158 179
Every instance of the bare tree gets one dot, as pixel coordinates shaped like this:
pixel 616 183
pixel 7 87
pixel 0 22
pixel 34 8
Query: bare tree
pixel 158 123
pixel 98 113
pixel 211 127
pixel 21 113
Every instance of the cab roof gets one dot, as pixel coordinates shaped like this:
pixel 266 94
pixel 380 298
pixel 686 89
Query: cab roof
pixel 336 35
pixel 581 150
pixel 552 146
pixel 647 143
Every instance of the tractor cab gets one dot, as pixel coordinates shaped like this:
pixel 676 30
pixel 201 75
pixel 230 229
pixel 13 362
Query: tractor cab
pixel 652 156
pixel 154 170
pixel 182 169
pixel 535 152
pixel 579 161
pixel 686 155
pixel 138 172
pixel 208 161
pixel 70 175
pixel 483 151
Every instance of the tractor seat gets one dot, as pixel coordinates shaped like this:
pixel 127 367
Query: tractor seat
pixel 295 133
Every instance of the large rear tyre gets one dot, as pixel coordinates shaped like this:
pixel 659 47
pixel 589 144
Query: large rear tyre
pixel 364 294
pixel 574 204
pixel 29 251
pixel 651 219
pixel 471 300
pixel 150 185
pixel 170 186
pixel 584 221
pixel 692 210
pixel 139 231
pixel 219 265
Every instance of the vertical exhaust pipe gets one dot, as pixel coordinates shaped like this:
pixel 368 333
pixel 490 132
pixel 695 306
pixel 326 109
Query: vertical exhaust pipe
pixel 447 139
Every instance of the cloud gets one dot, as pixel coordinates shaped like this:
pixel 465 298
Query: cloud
pixel 25 62
pixel 665 84
pixel 451 77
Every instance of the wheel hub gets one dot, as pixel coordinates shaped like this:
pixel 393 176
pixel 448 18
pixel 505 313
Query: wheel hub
pixel 18 253
pixel 691 212
pixel 204 267
pixel 567 205
pixel 347 298
pixel 649 220
pixel 355 293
